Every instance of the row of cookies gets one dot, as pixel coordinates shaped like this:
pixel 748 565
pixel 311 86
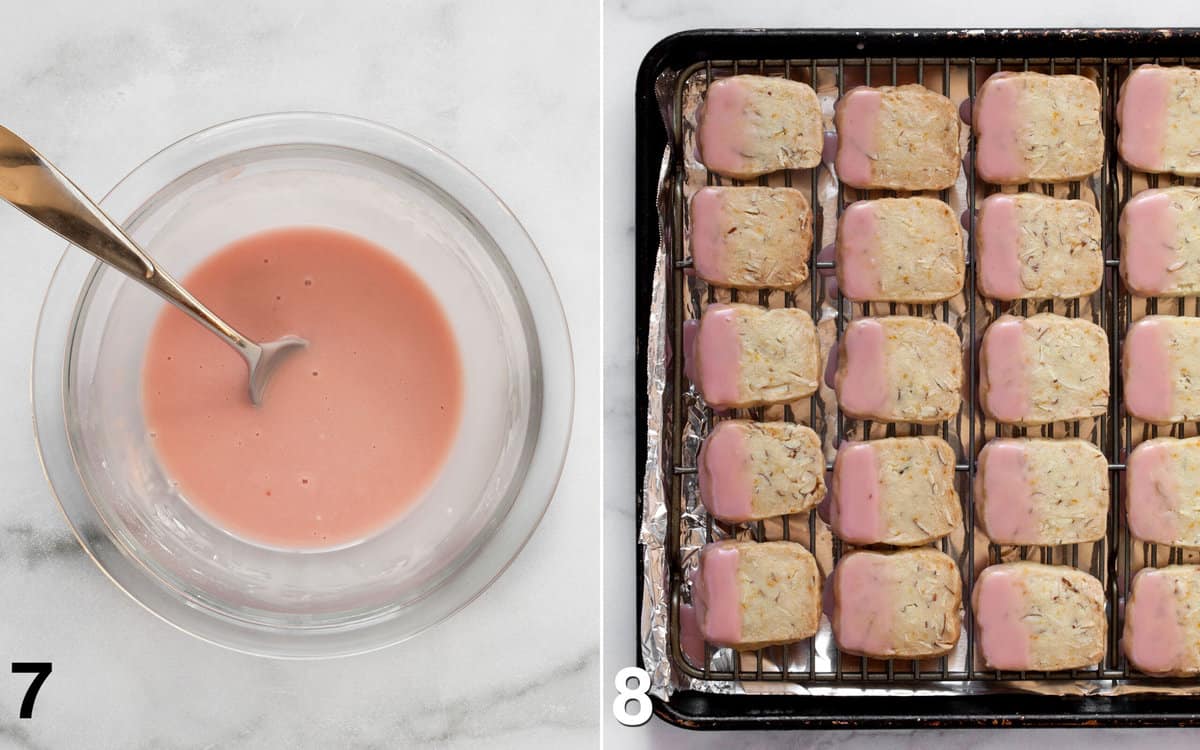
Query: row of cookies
pixel 1029 127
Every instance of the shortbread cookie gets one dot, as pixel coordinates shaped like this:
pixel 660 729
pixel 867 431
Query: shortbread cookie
pixel 751 237
pixel 1035 617
pixel 897 138
pixel 1159 116
pixel 1162 492
pixel 899 369
pixel 1043 369
pixel 1033 246
pixel 751 356
pixel 1160 242
pixel 754 470
pixel 1031 127
pixel 750 125
pixel 1041 491
pixel 750 594
pixel 899 250
pixel 1162 621
pixel 899 605
pixel 1161 362
pixel 897 491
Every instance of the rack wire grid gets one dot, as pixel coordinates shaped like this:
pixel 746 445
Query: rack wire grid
pixel 1111 559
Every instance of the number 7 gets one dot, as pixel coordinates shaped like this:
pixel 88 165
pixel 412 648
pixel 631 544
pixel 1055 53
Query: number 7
pixel 42 670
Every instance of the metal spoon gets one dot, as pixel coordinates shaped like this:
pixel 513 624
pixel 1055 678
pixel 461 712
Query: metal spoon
pixel 36 187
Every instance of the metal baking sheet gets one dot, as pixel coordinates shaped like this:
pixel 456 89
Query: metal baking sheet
pixel 691 678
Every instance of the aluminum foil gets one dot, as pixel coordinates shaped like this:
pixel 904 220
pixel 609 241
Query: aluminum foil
pixel 688 664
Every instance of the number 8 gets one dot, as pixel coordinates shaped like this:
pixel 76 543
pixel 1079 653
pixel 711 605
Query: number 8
pixel 620 704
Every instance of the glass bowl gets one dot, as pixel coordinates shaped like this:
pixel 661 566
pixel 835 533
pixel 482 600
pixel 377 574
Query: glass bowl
pixel 272 171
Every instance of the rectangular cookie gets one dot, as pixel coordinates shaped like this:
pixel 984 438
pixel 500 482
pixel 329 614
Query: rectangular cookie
pixel 1159 115
pixel 1042 618
pixel 1041 491
pixel 1161 362
pixel 899 250
pixel 750 594
pixel 899 369
pixel 1031 127
pixel 899 605
pixel 896 138
pixel 897 491
pixel 1033 246
pixel 1160 242
pixel 1162 492
pixel 751 125
pixel 1043 369
pixel 754 470
pixel 751 356
pixel 1162 621
pixel 751 237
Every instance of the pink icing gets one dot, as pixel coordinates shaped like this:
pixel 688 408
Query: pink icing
pixel 857 122
pixel 708 235
pixel 862 385
pixel 690 327
pixel 999 248
pixel 1148 233
pixel 862 622
pixel 726 486
pixel 1142 112
pixel 718 597
pixel 691 641
pixel 999 611
pixel 718 356
pixel 858 241
pixel 1009 514
pixel 997 122
pixel 1153 640
pixel 723 130
pixel 856 513
pixel 1003 347
pixel 1148 391
pixel 1153 493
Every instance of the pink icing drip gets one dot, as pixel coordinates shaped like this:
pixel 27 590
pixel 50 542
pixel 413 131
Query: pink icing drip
pixel 862 622
pixel 997 121
pixel 856 512
pixel 1008 391
pixel 690 327
pixel 1148 231
pixel 718 356
pixel 1142 112
pixel 1148 392
pixel 1009 511
pixel 1000 605
pixel 708 237
pixel 857 120
pixel 726 486
pixel 858 241
pixel 1154 642
pixel 718 596
pixel 723 129
pixel 1000 248
pixel 863 388
pixel 1153 498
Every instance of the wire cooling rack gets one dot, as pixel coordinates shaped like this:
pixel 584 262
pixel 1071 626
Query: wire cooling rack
pixel 1112 560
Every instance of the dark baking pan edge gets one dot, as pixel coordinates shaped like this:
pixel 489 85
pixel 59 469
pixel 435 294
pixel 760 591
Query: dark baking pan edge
pixel 707 711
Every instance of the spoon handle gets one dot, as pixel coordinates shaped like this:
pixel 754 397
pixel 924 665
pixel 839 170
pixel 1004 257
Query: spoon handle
pixel 35 186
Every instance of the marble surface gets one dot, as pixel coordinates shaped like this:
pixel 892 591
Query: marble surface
pixel 631 28
pixel 101 86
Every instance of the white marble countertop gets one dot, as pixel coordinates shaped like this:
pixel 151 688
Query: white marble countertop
pixel 101 86
pixel 631 28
